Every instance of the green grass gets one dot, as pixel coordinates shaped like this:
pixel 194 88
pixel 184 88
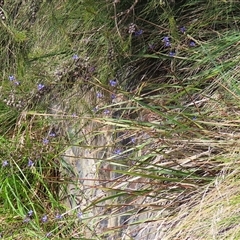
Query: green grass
pixel 161 156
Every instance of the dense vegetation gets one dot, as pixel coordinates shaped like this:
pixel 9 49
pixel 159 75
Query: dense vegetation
pixel 160 77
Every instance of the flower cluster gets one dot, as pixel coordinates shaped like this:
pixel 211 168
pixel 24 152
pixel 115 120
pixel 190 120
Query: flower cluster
pixel 28 217
pixel 13 79
pixel 167 42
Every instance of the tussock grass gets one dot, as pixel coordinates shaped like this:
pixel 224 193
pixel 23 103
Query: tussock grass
pixel 162 138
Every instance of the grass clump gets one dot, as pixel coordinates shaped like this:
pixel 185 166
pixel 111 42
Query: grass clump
pixel 119 119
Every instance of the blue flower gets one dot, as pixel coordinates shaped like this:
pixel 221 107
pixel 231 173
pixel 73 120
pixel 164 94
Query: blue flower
pixel 192 44
pixel 113 83
pixel 5 163
pixel 30 213
pixel 40 86
pixel 133 139
pixel 167 44
pixel 182 29
pixel 44 218
pixel 75 57
pixel 16 83
pixel 95 109
pixel 172 53
pixel 166 41
pixel 11 78
pixel 30 163
pixel 138 33
pixel 49 234
pixel 79 215
pixel 52 134
pixel 106 111
pixel 99 95
pixel 45 141
pixel 59 216
pixel 26 219
pixel 117 151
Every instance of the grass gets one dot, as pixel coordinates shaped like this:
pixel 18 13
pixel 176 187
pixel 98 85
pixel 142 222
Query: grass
pixel 110 130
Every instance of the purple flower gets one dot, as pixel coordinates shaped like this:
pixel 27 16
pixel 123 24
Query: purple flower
pixel 5 163
pixel 133 139
pixel 30 213
pixel 99 95
pixel 17 83
pixel 40 86
pixel 75 57
pixel 30 163
pixel 138 33
pixel 26 219
pixel 45 141
pixel 167 44
pixel 106 111
pixel 11 78
pixel 182 29
pixel 59 216
pixel 49 234
pixel 79 215
pixel 172 53
pixel 95 109
pixel 117 151
pixel 44 218
pixel 52 134
pixel 166 39
pixel 192 44
pixel 113 96
pixel 113 83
